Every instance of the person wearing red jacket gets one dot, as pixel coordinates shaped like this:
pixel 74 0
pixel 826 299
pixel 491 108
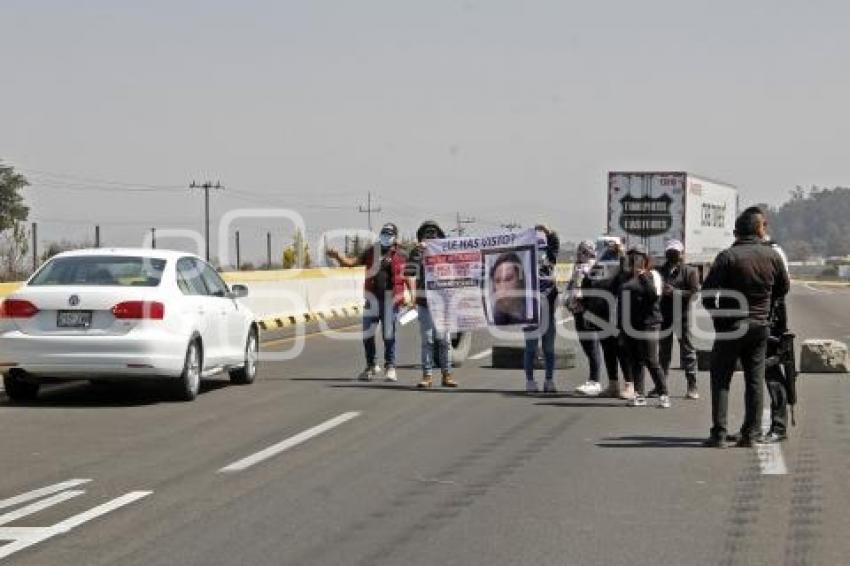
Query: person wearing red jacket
pixel 384 289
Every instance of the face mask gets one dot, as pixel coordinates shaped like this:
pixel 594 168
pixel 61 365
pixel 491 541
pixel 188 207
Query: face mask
pixel 386 240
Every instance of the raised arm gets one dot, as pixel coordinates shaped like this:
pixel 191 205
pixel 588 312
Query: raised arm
pixel 344 261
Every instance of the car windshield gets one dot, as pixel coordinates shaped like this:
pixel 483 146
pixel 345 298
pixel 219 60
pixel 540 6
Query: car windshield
pixel 101 271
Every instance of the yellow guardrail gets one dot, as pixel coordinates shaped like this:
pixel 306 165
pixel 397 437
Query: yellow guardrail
pixel 9 288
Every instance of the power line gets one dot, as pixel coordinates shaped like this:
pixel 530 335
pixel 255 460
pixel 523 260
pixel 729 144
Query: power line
pixel 369 209
pixel 460 221
pixel 206 186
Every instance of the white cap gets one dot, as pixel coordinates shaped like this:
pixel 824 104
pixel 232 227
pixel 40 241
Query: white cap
pixel 674 245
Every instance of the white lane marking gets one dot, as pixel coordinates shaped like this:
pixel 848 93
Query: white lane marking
pixel 24 537
pixel 810 287
pixel 481 355
pixel 39 493
pixel 38 506
pixel 95 512
pixel 290 442
pixel 771 461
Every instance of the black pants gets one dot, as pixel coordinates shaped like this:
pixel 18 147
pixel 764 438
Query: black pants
pixel 775 379
pixel 613 355
pixel 589 341
pixel 750 349
pixel 687 352
pixel 642 352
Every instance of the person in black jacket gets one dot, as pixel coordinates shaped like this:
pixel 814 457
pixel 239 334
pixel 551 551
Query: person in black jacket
pixel 756 274
pixel 548 245
pixel 680 284
pixel 640 321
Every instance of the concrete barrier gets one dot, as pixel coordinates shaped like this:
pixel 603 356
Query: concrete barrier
pixel 282 298
pixel 824 356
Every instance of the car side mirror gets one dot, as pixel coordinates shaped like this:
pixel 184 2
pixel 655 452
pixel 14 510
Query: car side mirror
pixel 238 292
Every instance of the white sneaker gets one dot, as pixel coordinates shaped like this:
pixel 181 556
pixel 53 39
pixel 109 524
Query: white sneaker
pixel 390 374
pixel 549 386
pixel 638 401
pixel 663 401
pixel 589 388
pixel 531 386
pixel 368 373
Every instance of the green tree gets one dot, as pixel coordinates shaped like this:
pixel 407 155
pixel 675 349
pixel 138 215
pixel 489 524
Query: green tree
pixel 289 258
pixel 14 246
pixel 12 207
pixel 14 237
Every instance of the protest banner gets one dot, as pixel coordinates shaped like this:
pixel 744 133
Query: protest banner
pixel 480 281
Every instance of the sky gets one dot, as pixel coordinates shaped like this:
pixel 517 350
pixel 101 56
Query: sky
pixel 502 111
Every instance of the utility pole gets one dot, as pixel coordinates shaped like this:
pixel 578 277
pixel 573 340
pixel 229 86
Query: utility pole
pixel 238 254
pixel 368 209
pixel 512 226
pixel 268 250
pixel 97 236
pixel 460 230
pixel 34 246
pixel 153 238
pixel 206 186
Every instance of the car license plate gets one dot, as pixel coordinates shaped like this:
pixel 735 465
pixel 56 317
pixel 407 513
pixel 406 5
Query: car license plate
pixel 73 319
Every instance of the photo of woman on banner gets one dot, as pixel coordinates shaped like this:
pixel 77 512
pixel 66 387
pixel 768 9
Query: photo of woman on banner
pixel 510 287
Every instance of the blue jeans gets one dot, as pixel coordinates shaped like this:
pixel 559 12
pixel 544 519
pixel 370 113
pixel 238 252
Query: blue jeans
pixel 429 334
pixel 533 334
pixel 385 313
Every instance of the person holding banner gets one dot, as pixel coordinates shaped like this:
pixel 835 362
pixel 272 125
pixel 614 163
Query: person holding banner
pixel 384 288
pixel 430 336
pixel 548 246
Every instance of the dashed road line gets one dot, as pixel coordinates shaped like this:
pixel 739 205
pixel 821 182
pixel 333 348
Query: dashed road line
pixel 290 442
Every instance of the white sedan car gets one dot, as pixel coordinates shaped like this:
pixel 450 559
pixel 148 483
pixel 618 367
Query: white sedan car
pixel 119 314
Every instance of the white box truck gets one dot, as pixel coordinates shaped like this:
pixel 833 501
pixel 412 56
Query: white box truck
pixel 651 208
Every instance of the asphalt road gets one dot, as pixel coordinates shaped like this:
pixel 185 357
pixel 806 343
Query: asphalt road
pixel 479 475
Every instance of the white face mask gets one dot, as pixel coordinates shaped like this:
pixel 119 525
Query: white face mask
pixel 386 240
